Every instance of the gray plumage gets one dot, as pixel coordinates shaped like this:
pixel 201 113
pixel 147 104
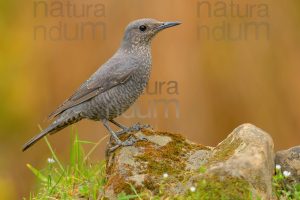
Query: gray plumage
pixel 115 86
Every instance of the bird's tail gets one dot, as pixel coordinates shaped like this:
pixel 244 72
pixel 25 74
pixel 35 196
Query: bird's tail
pixel 36 138
pixel 53 128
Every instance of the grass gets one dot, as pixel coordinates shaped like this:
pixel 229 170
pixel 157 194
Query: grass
pixel 282 190
pixel 80 179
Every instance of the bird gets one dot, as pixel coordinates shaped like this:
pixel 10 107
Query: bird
pixel 114 87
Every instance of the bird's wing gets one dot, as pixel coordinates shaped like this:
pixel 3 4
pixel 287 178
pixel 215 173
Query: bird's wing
pixel 98 83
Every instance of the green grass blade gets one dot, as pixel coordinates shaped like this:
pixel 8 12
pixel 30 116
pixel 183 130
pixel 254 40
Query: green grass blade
pixel 54 155
pixel 37 173
pixel 86 142
pixel 76 153
pixel 135 192
pixel 95 146
pixel 52 152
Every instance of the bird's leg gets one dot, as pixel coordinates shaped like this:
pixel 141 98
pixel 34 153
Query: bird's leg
pixel 129 142
pixel 135 127
pixel 124 128
pixel 113 134
pixel 118 124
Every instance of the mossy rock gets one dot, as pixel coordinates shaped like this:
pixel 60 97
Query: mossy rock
pixel 240 167
pixel 144 164
pixel 225 188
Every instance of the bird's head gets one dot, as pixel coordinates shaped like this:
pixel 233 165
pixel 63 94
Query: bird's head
pixel 142 31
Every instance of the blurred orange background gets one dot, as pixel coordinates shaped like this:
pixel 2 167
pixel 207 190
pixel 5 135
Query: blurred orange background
pixel 221 82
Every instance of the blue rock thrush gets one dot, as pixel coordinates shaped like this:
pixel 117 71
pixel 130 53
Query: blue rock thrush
pixel 114 87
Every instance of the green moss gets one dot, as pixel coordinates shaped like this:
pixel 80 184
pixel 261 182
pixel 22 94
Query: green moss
pixel 151 184
pixel 224 150
pixel 169 158
pixel 172 159
pixel 214 188
pixel 119 185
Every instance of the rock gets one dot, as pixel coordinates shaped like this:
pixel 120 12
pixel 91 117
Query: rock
pixel 240 167
pixel 289 160
pixel 144 164
pixel 245 155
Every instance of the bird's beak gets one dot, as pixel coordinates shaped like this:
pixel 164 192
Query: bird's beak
pixel 165 25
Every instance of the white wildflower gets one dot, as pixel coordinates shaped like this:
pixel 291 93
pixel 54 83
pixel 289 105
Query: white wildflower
pixel 192 189
pixel 165 175
pixel 278 166
pixel 286 173
pixel 51 160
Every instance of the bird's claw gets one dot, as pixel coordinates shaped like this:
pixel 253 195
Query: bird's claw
pixel 135 127
pixel 138 126
pixel 129 142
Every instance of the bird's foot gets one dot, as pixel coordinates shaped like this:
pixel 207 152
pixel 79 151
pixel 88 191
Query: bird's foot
pixel 129 142
pixel 138 127
pixel 135 127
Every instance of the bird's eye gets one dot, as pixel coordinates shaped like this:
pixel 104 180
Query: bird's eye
pixel 142 28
